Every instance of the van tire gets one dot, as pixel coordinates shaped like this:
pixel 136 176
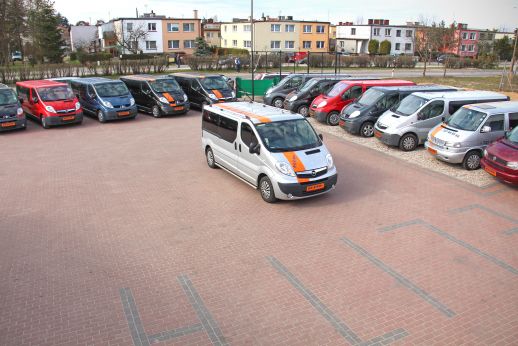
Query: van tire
pixel 211 160
pixel 44 123
pixel 471 161
pixel 266 190
pixel 367 129
pixel 100 116
pixel 303 110
pixel 156 112
pixel 333 118
pixel 278 102
pixel 408 142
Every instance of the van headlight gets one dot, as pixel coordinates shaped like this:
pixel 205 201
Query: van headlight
pixel 107 104
pixel 163 100
pixel 452 144
pixel 19 111
pixel 293 98
pixel 285 168
pixel 233 94
pixel 330 161
pixel 185 98
pixel 213 97
pixel 322 104
pixel 78 105
pixel 132 101
pixel 268 92
pixel 513 165
pixel 50 109
pixel 354 114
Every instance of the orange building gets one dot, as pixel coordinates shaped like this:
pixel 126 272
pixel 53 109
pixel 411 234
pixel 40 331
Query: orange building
pixel 179 34
pixel 314 36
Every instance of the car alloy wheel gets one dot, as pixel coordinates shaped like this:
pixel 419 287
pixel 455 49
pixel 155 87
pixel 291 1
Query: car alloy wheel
pixel 44 123
pixel 303 110
pixel 156 112
pixel 472 161
pixel 211 161
pixel 100 116
pixel 408 143
pixel 278 102
pixel 333 118
pixel 367 130
pixel 266 188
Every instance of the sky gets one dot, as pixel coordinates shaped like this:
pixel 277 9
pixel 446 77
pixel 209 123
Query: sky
pixel 485 14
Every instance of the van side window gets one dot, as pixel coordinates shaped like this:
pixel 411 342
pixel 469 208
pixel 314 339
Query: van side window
pixel 247 135
pixel 23 93
pixel 210 122
pixel 496 122
pixel 432 110
pixel 294 82
pixel 455 105
pixel 227 129
pixel 145 87
pixel 355 92
pixel 90 91
pixel 513 120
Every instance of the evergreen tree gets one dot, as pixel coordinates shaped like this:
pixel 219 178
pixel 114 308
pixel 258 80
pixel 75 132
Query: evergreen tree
pixel 43 25
pixel 202 47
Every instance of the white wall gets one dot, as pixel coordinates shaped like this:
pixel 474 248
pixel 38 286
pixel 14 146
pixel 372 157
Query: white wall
pixel 151 36
pixel 363 32
pixel 393 39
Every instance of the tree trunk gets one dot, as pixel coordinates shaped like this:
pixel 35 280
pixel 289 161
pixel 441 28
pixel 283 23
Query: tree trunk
pixel 425 64
pixel 445 67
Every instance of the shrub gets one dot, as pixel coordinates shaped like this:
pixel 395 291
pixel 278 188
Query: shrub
pixel 405 61
pixel 383 61
pixel 385 47
pixel 374 46
pixel 362 61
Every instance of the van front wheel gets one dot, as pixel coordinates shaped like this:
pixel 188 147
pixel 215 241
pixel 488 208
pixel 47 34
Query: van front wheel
pixel 156 112
pixel 100 116
pixel 367 129
pixel 44 123
pixel 408 142
pixel 266 188
pixel 211 161
pixel 471 161
pixel 333 118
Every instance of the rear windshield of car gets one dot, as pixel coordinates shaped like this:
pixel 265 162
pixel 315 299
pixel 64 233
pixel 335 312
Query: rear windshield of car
pixel 290 135
pixel 370 97
pixel 337 89
pixel 55 93
pixel 214 83
pixel 409 105
pixel 466 119
pixel 7 97
pixel 111 89
pixel 165 85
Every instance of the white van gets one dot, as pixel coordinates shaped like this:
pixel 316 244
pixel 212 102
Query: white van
pixel 270 149
pixel 464 136
pixel 407 124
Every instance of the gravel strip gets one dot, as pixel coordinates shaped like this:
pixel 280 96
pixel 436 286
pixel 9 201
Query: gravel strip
pixel 418 157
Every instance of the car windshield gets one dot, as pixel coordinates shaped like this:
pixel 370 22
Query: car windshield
pixel 290 135
pixel 7 97
pixel 370 97
pixel 111 89
pixel 165 85
pixel 308 85
pixel 337 89
pixel 466 119
pixel 286 80
pixel 513 135
pixel 214 83
pixel 409 105
pixel 56 93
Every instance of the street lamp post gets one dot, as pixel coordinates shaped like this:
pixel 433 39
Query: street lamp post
pixel 252 47
pixel 513 60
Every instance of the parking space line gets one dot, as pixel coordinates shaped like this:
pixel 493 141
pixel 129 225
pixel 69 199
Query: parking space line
pixel 164 336
pixel 400 278
pixel 490 211
pixel 512 231
pixel 451 238
pixel 346 332
pixel 138 334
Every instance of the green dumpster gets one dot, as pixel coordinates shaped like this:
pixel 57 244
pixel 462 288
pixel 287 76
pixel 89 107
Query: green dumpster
pixel 244 86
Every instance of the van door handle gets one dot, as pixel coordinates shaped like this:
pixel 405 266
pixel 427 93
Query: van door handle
pixel 239 147
pixel 235 145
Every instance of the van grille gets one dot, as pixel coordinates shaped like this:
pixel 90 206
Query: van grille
pixel 66 111
pixel 312 173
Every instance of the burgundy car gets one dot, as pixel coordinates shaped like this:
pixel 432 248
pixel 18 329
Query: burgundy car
pixel 501 158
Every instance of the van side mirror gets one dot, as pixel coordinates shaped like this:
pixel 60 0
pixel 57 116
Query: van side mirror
pixel 321 136
pixel 255 148
pixel 443 119
pixel 34 99
pixel 485 129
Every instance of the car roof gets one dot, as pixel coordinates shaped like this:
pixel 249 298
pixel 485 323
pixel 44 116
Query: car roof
pixel 496 107
pixel 40 83
pixel 416 88
pixel 460 95
pixel 187 75
pixel 378 82
pixel 257 113
pixel 3 86
pixel 147 77
pixel 63 78
pixel 96 80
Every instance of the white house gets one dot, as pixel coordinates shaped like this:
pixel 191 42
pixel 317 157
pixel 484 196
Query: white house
pixel 83 36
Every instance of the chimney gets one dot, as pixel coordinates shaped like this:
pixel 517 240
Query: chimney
pixel 371 21
pixel 386 22
pixel 195 14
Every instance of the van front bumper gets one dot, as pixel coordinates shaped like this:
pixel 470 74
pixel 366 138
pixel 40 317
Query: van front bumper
pixel 498 172
pixel 390 139
pixel 61 119
pixel 451 155
pixel 121 113
pixel 351 126
pixel 178 109
pixel 7 124
pixel 319 116
pixel 298 190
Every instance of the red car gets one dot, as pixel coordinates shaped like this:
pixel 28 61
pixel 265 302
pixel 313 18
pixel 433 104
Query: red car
pixel 299 57
pixel 501 158
pixel 50 102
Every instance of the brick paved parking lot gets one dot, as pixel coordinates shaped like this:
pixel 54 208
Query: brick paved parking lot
pixel 119 234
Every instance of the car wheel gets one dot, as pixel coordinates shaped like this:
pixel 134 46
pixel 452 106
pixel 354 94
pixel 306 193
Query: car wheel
pixel 266 189
pixel 278 102
pixel 156 112
pixel 44 123
pixel 367 129
pixel 100 116
pixel 408 142
pixel 303 110
pixel 471 161
pixel 211 160
pixel 333 118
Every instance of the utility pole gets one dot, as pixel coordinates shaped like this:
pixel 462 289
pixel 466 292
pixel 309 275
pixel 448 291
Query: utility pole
pixel 513 60
pixel 252 47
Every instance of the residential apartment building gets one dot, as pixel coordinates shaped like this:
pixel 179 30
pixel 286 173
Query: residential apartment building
pixel 465 41
pixel 211 32
pixel 276 34
pixel 179 35
pixel 351 38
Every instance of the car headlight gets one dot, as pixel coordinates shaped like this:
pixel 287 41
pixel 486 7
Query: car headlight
pixel 185 98
pixel 322 104
pixel 107 104
pixel 233 94
pixel 132 101
pixel 354 114
pixel 214 97
pixel 485 152
pixel 269 91
pixel 78 105
pixel 330 162
pixel 512 165
pixel 19 111
pixel 285 168
pixel 294 98
pixel 50 109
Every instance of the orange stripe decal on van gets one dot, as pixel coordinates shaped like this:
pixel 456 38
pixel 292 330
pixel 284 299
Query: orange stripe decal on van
pixel 437 130
pixel 248 114
pixel 218 94
pixel 296 164
pixel 169 97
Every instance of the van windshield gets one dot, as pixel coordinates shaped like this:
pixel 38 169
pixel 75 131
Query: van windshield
pixel 214 83
pixel 409 105
pixel 308 85
pixel 56 93
pixel 466 119
pixel 337 89
pixel 7 97
pixel 290 135
pixel 165 85
pixel 513 135
pixel 370 97
pixel 111 89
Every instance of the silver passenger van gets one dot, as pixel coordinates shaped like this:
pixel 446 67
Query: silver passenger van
pixel 270 149
pixel 464 136
pixel 407 124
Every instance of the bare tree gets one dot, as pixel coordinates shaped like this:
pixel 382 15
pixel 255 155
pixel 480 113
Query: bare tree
pixel 449 41
pixel 431 38
pixel 130 39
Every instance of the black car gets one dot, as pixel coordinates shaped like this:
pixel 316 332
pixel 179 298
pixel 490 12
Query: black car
pixel 205 90
pixel 12 116
pixel 360 116
pixel 158 95
pixel 299 101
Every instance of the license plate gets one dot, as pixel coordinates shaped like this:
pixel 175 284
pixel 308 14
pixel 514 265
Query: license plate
pixel 341 123
pixel 179 108
pixel 71 117
pixel 123 113
pixel 432 151
pixel 311 113
pixel 377 134
pixel 315 187
pixel 490 171
pixel 9 124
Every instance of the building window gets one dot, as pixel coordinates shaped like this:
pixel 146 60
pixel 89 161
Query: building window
pixel 408 46
pixel 289 44
pixel 482 36
pixel 320 29
pixel 247 44
pixel 409 33
pixel 225 28
pixel 151 27
pixel 247 27
pixel 188 27
pixel 210 34
pixel 226 43
pixel 188 44
pixel 320 44
pixel 463 48
pixel 151 45
pixel 173 27
pixel 234 43
pixel 398 46
pixel 129 26
pixel 173 44
pixel 342 44
pixel 234 28
pixel 307 28
pixel 276 28
pixel 464 35
pixel 353 31
pixel 376 32
pixel 473 36
pixel 275 45
pixel 387 32
pixel 471 48
pixel 290 28
pixel 306 44
pixel 398 33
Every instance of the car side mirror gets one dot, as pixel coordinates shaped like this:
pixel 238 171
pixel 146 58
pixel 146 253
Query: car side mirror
pixel 255 148
pixel 485 129
pixel 443 119
pixel 321 136
pixel 34 100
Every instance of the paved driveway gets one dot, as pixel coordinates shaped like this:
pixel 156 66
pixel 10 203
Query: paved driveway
pixel 119 234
